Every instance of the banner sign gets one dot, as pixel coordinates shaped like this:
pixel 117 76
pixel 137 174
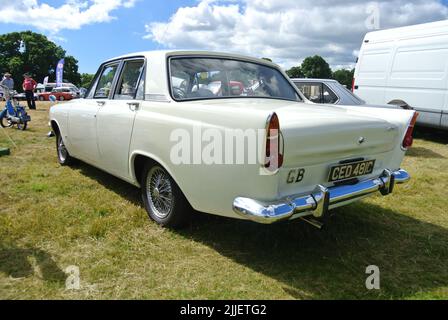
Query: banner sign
pixel 60 72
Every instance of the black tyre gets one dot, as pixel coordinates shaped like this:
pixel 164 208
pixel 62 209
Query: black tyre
pixel 5 123
pixel 64 157
pixel 163 199
pixel 61 98
pixel 22 126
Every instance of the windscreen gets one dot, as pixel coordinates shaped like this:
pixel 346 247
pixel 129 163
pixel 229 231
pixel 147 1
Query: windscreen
pixel 212 78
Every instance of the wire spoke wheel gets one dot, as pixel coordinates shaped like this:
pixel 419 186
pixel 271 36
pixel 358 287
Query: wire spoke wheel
pixel 159 192
pixel 62 151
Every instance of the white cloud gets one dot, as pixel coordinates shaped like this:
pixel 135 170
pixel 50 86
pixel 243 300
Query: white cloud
pixel 287 30
pixel 73 14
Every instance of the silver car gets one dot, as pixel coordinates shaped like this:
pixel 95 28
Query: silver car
pixel 327 91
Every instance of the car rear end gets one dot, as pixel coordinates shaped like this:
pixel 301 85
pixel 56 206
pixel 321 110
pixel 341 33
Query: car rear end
pixel 328 158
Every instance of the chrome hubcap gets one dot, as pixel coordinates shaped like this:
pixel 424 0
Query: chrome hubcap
pixel 159 192
pixel 62 150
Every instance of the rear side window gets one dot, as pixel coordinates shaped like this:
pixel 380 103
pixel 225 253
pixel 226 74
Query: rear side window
pixel 105 81
pixel 312 91
pixel 128 85
pixel 328 95
pixel 317 92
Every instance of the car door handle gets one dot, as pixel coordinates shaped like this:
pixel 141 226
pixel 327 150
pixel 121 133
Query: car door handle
pixel 101 103
pixel 133 106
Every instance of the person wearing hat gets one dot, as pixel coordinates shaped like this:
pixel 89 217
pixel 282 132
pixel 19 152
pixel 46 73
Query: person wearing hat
pixel 29 85
pixel 7 81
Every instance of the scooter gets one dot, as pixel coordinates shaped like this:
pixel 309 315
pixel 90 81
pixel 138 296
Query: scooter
pixel 13 113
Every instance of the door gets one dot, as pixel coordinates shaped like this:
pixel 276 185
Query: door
pixel 115 119
pixel 83 117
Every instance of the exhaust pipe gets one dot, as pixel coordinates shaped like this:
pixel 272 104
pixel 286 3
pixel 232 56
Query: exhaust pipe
pixel 309 219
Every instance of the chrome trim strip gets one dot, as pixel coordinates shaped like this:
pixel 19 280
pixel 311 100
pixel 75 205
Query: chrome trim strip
pixel 318 202
pixel 156 97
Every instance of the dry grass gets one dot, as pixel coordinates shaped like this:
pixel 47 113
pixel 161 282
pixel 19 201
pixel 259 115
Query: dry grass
pixel 53 217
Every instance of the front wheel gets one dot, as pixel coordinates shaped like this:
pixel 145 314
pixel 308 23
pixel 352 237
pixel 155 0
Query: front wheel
pixel 61 98
pixel 163 199
pixel 5 123
pixel 64 157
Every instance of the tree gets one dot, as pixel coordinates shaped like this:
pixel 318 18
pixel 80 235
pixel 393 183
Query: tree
pixel 71 73
pixel 344 77
pixel 86 80
pixel 316 67
pixel 29 52
pixel 295 72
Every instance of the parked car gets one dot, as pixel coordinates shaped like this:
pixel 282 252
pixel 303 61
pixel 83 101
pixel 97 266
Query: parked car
pixel 328 91
pixel 52 85
pixel 310 158
pixel 407 67
pixel 22 96
pixel 61 94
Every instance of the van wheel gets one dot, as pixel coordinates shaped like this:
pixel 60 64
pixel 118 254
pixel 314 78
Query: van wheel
pixel 163 199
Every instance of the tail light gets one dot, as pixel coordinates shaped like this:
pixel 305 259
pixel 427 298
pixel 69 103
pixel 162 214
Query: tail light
pixel 274 152
pixel 408 139
pixel 353 85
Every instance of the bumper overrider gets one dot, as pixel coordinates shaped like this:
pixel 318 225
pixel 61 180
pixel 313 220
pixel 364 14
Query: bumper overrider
pixel 318 202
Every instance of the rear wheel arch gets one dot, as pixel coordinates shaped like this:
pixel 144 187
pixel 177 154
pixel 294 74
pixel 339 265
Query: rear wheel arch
pixel 181 208
pixel 55 127
pixel 400 103
pixel 138 162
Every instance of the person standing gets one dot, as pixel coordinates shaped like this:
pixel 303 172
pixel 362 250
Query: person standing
pixel 29 85
pixel 7 81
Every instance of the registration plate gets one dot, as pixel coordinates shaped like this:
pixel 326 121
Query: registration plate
pixel 351 170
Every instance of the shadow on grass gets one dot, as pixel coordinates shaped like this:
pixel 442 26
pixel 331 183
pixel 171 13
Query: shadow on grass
pixel 420 152
pixel 17 263
pixel 118 186
pixel 431 134
pixel 411 254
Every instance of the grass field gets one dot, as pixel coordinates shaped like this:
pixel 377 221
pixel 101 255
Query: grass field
pixel 52 217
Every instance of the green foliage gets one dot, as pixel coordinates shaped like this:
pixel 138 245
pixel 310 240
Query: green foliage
pixel 295 72
pixel 267 59
pixel 71 73
pixel 316 67
pixel 86 80
pixel 344 77
pixel 39 58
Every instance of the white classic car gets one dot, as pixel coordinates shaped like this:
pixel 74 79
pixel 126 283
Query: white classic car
pixel 250 150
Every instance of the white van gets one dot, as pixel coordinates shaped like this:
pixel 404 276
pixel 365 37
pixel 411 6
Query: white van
pixel 407 67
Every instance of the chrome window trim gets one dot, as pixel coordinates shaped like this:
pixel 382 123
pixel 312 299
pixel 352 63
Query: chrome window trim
pixel 217 57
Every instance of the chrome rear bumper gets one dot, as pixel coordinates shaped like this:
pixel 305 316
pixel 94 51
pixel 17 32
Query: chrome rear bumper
pixel 318 202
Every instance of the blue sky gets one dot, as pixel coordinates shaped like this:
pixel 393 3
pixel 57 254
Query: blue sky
pixel 94 43
pixel 286 31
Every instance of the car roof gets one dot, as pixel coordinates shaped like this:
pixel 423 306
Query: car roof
pixel 163 54
pixel 312 80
